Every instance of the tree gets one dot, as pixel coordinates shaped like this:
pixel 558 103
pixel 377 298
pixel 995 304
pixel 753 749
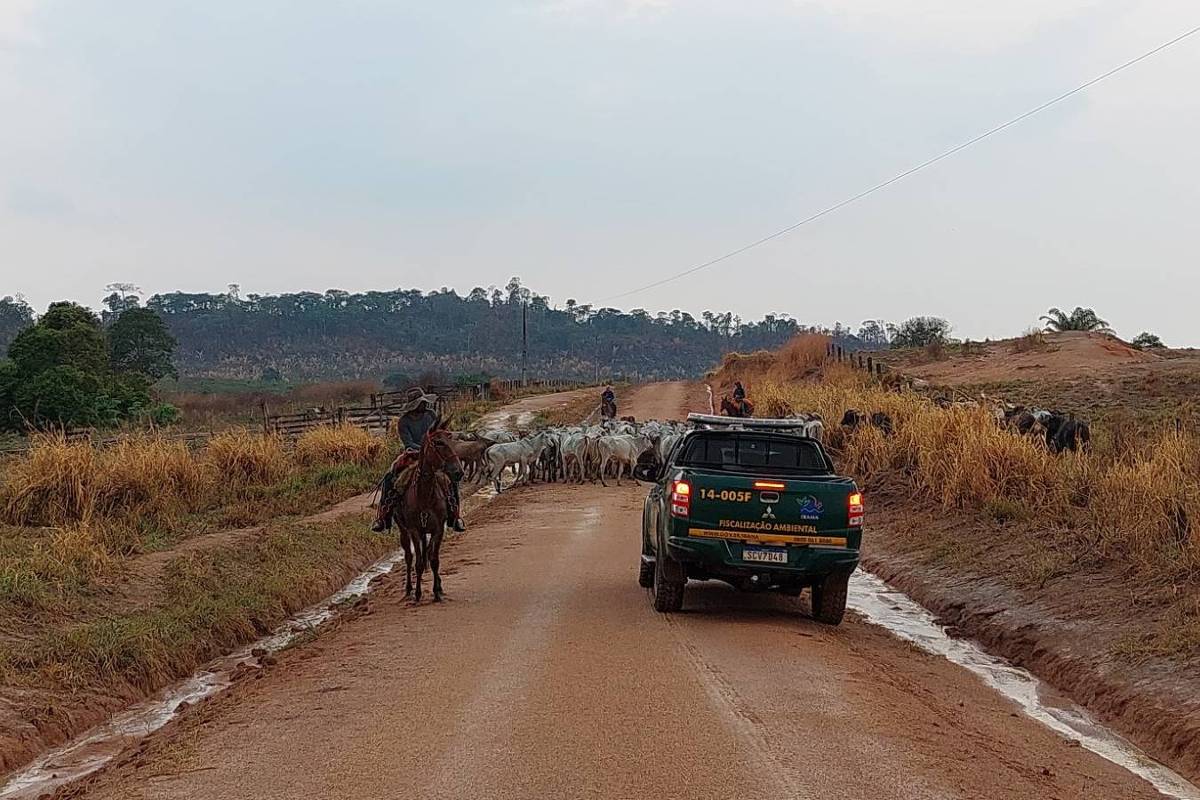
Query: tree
pixel 140 343
pixel 66 335
pixel 121 298
pixel 921 332
pixel 1081 319
pixel 1147 341
pixel 874 333
pixel 62 395
pixel 15 316
pixel 58 374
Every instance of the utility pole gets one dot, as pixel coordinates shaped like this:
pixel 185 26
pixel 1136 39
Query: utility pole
pixel 524 343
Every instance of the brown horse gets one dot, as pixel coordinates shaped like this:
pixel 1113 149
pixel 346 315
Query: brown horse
pixel 736 408
pixel 424 512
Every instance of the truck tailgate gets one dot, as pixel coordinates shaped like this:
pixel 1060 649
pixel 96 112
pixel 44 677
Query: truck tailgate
pixel 773 511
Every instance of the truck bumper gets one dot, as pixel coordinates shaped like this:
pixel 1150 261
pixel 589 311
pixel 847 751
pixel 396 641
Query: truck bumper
pixel 721 558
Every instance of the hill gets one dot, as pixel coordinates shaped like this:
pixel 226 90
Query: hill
pixel 337 334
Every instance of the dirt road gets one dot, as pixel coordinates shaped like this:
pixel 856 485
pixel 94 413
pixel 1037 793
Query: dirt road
pixel 547 674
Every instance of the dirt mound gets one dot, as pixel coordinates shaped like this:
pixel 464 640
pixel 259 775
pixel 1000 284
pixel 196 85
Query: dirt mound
pixel 1050 355
pixel 798 360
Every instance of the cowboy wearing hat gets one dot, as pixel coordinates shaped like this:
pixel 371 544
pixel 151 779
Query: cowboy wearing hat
pixel 418 416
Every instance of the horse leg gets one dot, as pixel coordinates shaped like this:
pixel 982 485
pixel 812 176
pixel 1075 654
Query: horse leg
pixel 435 549
pixel 408 560
pixel 419 547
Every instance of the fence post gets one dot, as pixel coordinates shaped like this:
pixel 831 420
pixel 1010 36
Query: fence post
pixel 879 370
pixel 839 353
pixel 870 364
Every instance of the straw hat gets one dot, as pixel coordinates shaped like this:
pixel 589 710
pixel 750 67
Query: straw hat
pixel 415 397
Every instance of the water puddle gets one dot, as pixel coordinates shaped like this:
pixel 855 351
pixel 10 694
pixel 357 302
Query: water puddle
pixel 884 606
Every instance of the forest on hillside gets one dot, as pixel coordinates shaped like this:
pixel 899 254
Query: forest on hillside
pixel 407 332
pixel 337 334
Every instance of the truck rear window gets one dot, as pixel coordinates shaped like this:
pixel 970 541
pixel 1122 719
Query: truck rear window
pixel 750 453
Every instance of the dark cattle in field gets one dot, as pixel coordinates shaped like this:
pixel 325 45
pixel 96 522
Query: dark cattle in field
pixel 852 419
pixel 1070 434
pixel 883 422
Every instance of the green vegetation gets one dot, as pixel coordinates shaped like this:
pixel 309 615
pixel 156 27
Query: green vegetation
pixel 67 370
pixel 921 332
pixel 1081 319
pixel 1147 341
pixel 211 601
pixel 406 332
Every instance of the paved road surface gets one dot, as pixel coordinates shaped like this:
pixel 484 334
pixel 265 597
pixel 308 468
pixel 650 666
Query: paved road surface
pixel 548 675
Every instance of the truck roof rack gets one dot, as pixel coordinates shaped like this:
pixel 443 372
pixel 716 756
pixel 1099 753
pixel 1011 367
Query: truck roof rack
pixel 745 423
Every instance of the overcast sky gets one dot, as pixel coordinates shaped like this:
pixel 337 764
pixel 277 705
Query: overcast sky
pixel 592 146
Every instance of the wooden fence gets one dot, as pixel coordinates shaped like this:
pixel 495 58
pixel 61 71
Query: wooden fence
pixel 376 418
pixel 385 407
pixel 855 360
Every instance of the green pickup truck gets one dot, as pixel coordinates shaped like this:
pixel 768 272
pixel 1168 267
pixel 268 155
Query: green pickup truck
pixel 754 504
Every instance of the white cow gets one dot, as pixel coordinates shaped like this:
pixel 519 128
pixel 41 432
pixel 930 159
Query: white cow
pixel 623 449
pixel 520 454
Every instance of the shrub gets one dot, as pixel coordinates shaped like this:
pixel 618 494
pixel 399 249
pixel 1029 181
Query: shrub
pixel 1147 341
pixel 921 332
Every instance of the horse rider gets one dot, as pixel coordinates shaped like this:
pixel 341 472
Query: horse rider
pixel 739 392
pixel 608 403
pixel 417 418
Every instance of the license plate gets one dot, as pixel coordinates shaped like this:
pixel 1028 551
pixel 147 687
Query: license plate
pixel 766 555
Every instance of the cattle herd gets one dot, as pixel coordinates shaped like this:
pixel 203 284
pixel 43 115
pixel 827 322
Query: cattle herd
pixel 580 453
pixel 1059 432
pixel 572 454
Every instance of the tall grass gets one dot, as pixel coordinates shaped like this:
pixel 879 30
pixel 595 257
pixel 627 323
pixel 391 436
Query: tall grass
pixel 342 444
pixel 71 513
pixel 243 457
pixel 1135 504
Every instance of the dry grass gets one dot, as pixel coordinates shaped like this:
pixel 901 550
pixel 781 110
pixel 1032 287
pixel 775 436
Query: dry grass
pixel 64 483
pixel 1134 505
pixel 243 457
pixel 342 444
pixel 797 360
pixel 71 514
pixel 1032 341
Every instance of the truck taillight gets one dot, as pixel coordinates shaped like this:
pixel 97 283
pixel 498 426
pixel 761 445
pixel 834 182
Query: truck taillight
pixel 681 499
pixel 856 509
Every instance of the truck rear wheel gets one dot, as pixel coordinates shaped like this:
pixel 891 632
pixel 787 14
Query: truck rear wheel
pixel 645 573
pixel 829 598
pixel 668 593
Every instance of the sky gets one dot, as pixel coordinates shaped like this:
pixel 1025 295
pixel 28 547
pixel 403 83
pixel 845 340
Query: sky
pixel 594 146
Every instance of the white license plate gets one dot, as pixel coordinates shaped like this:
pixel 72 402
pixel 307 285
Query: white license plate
pixel 766 555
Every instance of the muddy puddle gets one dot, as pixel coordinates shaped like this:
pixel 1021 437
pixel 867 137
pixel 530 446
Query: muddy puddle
pixel 889 608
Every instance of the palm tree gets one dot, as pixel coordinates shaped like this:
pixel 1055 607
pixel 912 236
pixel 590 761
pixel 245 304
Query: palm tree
pixel 1081 319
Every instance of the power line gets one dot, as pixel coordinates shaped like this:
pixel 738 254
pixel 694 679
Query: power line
pixel 901 176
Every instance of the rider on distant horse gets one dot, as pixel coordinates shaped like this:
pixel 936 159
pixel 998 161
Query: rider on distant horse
pixel 417 419
pixel 608 403
pixel 739 406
